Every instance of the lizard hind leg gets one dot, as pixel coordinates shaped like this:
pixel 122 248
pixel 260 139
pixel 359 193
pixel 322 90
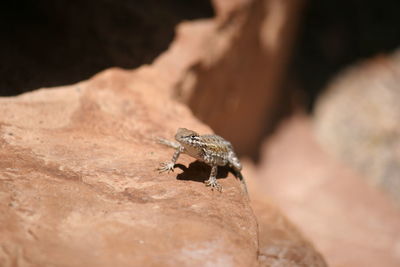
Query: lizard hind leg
pixel 234 161
pixel 212 180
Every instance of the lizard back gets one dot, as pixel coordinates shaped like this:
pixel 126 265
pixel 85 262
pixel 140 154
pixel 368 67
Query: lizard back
pixel 219 151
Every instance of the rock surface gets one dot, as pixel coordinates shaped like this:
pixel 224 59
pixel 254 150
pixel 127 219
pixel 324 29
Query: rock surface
pixel 275 231
pixel 357 119
pixel 349 221
pixel 236 80
pixel 78 186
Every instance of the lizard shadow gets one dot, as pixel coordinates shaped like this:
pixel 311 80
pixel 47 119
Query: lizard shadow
pixel 199 171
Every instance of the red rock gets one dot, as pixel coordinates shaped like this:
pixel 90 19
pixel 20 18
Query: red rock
pixel 357 120
pixel 280 242
pixel 235 81
pixel 350 222
pixel 78 186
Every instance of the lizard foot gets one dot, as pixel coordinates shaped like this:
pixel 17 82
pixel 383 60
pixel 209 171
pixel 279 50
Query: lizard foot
pixel 166 167
pixel 213 184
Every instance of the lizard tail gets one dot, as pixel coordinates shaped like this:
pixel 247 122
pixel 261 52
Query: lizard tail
pixel 242 180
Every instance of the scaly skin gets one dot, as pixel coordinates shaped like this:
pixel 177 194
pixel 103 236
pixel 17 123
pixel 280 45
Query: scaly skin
pixel 210 149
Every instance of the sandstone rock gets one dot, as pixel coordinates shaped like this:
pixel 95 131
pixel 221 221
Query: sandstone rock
pixel 78 186
pixel 235 81
pixel 357 119
pixel 274 233
pixel 275 230
pixel 350 222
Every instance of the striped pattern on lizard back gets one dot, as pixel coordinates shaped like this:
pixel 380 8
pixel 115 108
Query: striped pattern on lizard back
pixel 215 149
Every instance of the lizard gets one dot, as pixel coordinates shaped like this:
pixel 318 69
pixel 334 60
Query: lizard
pixel 211 149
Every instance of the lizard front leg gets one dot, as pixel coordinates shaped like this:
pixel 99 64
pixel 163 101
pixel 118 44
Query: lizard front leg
pixel 168 166
pixel 165 142
pixel 212 181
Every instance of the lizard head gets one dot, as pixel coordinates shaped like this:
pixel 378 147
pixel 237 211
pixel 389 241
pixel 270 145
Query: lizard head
pixel 185 136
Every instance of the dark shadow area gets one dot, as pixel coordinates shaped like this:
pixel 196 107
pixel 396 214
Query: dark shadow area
pixel 199 171
pixel 335 34
pixel 50 43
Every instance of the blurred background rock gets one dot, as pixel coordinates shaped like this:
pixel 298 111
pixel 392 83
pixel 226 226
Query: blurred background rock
pixel 358 117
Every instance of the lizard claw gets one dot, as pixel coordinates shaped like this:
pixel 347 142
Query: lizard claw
pixel 213 184
pixel 166 167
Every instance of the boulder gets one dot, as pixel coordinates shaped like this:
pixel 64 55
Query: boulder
pixel 349 221
pixel 236 82
pixel 78 185
pixel 357 120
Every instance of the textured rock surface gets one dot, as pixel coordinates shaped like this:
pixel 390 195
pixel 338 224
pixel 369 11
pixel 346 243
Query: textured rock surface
pixel 358 120
pixel 78 186
pixel 350 222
